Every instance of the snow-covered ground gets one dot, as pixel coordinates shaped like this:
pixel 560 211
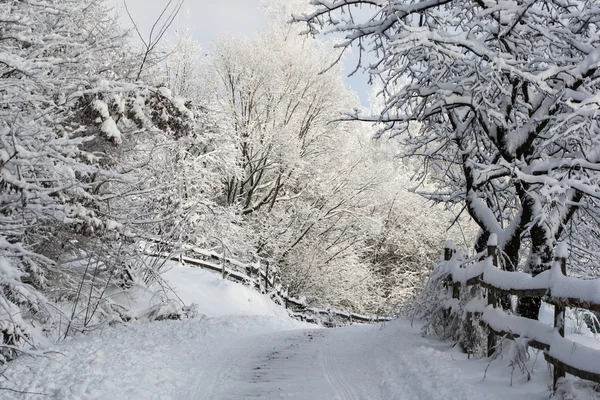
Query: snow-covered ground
pixel 243 346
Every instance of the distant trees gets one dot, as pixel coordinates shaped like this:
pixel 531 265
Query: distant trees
pixel 506 94
pixel 319 201
pixel 296 190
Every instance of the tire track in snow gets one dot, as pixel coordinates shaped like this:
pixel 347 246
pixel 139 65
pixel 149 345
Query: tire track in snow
pixel 269 366
pixel 220 373
pixel 335 377
pixel 355 363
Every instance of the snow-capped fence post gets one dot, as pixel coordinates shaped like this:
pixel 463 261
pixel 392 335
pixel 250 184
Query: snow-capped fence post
pixel 448 253
pixel 561 253
pixel 449 250
pixel 492 249
pixel 259 281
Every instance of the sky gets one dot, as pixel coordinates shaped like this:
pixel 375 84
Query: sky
pixel 208 19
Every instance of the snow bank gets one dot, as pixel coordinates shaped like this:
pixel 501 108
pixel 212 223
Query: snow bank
pixel 142 361
pixel 216 297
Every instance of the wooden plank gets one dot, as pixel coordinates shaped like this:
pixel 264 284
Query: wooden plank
pixel 203 264
pixel 509 335
pixel 476 280
pixel 516 292
pixel 572 302
pixel 590 376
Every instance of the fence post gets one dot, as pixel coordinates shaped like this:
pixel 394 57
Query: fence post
pixel 222 260
pixel 266 276
pixel 449 250
pixel 561 254
pixel 492 249
pixel 257 271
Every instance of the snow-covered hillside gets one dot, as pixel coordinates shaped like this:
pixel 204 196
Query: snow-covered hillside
pixel 242 346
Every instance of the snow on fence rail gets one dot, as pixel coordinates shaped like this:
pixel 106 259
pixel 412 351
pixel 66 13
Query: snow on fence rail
pixel 553 286
pixel 265 279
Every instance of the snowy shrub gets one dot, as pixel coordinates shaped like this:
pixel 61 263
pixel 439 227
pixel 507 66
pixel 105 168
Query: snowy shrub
pixel 433 306
pixel 168 310
pixel 446 317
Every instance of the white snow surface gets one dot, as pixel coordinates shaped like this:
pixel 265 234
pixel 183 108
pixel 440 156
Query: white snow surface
pixel 514 280
pixel 568 287
pixel 219 297
pixel 249 348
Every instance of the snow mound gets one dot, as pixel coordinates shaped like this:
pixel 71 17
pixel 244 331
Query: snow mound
pixel 216 297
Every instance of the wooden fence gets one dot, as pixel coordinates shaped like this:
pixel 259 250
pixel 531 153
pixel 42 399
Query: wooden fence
pixel 265 279
pixel 553 286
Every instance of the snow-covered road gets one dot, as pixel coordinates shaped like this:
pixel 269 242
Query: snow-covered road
pixel 365 362
pixel 246 347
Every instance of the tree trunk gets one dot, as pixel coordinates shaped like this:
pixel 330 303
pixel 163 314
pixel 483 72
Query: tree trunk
pixel 540 260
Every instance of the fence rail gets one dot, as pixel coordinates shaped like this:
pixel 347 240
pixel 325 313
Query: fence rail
pixel 553 286
pixel 265 279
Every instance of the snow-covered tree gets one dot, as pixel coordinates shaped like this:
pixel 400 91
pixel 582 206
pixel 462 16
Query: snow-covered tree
pixel 182 65
pixel 55 57
pixel 314 195
pixel 280 109
pixel 506 97
pixel 77 144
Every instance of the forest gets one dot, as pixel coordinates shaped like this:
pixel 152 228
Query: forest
pixel 115 144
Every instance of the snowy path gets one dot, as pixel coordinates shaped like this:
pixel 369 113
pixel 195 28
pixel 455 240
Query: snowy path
pixel 258 357
pixel 346 364
pixel 246 347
